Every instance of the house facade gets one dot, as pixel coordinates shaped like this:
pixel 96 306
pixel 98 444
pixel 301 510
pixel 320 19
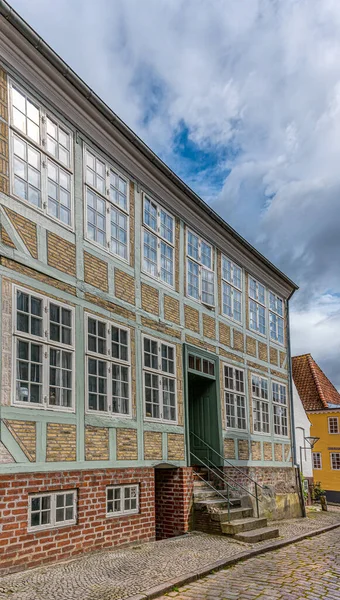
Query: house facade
pixel 141 335
pixel 321 402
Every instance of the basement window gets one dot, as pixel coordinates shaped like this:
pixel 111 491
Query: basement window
pixel 122 500
pixel 56 509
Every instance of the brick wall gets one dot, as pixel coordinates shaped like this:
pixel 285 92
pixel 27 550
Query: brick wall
pixel 280 479
pixel 171 309
pixel 150 299
pixel 61 442
pixel 153 449
pixel 96 443
pixel 24 432
pixel 61 254
pixel 26 229
pixel 20 549
pixel 127 444
pixel 192 318
pixel 173 501
pixel 96 272
pixel 176 446
pixel 124 286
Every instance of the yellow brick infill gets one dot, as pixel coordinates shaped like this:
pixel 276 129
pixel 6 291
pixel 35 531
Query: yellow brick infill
pixel 224 334
pixel 209 329
pixel 19 268
pixel 24 432
pixel 231 356
pixel 268 450
pixel 263 351
pixel 243 450
pixel 96 443
pixel 171 309
pixel 283 360
pixel 278 452
pixel 250 346
pixel 176 446
pixel 5 238
pixel 229 448
pixel 153 445
pixel 96 272
pixel 150 299
pixel 256 453
pixel 125 287
pixel 61 254
pixel 200 343
pixel 238 341
pixel 273 356
pixel 110 306
pixel 61 442
pixel 26 229
pixel 126 440
pixel 158 326
pixel 192 318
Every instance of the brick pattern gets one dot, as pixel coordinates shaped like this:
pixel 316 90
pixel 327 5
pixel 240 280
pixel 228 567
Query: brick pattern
pixel 24 432
pixel 287 452
pixel 238 341
pixel 61 254
pixel 279 374
pixel 229 448
pixel 5 456
pixel 171 309
pixel 230 355
pixel 153 445
pixel 243 449
pixel 4 162
pixel 173 501
pixel 14 266
pixel 192 318
pixel 254 365
pixel 61 442
pixel 250 345
pixel 278 452
pixel 110 306
pixel 280 479
pixel 5 238
pixel 132 222
pixel 283 360
pixel 26 229
pixel 157 326
pixel 125 287
pixel 127 444
pixel 263 351
pixel 268 450
pixel 224 332
pixel 256 453
pixel 96 443
pixel 176 446
pixel 96 272
pixel 150 299
pixel 209 329
pixel 273 356
pixel 20 549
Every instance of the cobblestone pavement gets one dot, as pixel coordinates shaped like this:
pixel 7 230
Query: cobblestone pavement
pixel 118 574
pixel 308 569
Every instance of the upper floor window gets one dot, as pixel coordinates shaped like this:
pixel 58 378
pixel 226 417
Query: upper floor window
pixel 44 351
pixel 335 460
pixel 259 386
pixel 279 395
pixel 317 460
pixel 159 361
pixel 276 317
pixel 231 290
pixel 257 306
pixel 41 150
pixel 333 425
pixel 158 242
pixel 107 206
pixel 200 273
pixel 108 367
pixel 235 400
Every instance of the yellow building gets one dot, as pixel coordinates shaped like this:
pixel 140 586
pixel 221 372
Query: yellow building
pixel 322 404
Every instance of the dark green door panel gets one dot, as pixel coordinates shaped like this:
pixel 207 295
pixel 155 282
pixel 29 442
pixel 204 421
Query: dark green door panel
pixel 203 419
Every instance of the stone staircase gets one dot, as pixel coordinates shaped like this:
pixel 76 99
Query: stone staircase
pixel 212 516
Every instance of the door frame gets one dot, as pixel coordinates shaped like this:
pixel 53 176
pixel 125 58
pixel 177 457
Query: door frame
pixel 188 349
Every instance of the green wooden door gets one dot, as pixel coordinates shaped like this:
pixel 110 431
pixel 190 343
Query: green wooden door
pixel 203 420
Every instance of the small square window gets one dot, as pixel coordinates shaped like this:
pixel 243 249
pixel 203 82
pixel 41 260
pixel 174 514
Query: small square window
pixel 52 510
pixel 122 500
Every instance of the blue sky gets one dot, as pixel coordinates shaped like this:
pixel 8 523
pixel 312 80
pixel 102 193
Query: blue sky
pixel 242 100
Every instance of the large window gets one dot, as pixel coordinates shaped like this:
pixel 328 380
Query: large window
pixel 335 460
pixel 107 206
pixel 122 500
pixel 159 360
pixel 260 400
pixel 158 239
pixel 235 400
pixel 41 150
pixel 317 460
pixel 200 273
pixel 53 509
pixel 108 367
pixel 44 351
pixel 257 306
pixel 279 395
pixel 276 318
pixel 333 425
pixel 231 290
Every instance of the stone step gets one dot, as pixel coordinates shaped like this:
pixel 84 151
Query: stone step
pixel 234 513
pixel 208 492
pixel 239 525
pixel 258 535
pixel 217 502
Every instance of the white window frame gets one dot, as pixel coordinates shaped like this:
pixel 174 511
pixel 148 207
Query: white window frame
pixel 234 288
pixel 337 454
pixel 108 166
pixel 122 489
pixel 262 401
pixel 41 147
pixel 53 506
pixel 46 344
pixel 319 455
pixel 336 419
pixel 235 394
pixel 279 317
pixel 160 374
pixel 282 406
pixel 258 303
pixel 109 360
pixel 160 239
pixel 201 268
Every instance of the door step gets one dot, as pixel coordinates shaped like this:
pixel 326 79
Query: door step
pixel 240 525
pixel 233 513
pixel 257 535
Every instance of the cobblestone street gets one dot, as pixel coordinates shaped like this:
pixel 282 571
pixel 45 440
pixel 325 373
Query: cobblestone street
pixel 309 569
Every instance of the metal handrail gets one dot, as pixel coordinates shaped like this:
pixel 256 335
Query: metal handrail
pixel 235 483
pixel 226 460
pixel 229 501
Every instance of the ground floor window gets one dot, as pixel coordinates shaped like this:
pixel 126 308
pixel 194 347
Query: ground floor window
pixel 52 510
pixel 317 462
pixel 122 500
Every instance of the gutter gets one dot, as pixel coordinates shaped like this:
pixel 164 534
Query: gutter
pixel 33 38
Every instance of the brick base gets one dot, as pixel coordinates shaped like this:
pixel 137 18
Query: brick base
pixel 173 501
pixel 20 549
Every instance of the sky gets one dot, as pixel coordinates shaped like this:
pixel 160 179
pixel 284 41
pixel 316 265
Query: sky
pixel 242 100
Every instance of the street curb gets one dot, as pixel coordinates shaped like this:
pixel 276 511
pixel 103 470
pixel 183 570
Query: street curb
pixel 168 586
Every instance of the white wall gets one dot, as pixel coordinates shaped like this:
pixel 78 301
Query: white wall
pixel 301 420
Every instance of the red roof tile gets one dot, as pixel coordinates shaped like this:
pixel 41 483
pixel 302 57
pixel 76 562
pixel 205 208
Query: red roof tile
pixel 315 389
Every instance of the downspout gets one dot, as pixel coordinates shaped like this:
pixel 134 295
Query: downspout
pixel 290 383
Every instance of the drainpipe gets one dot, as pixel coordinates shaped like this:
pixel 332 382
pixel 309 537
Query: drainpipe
pixel 290 384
